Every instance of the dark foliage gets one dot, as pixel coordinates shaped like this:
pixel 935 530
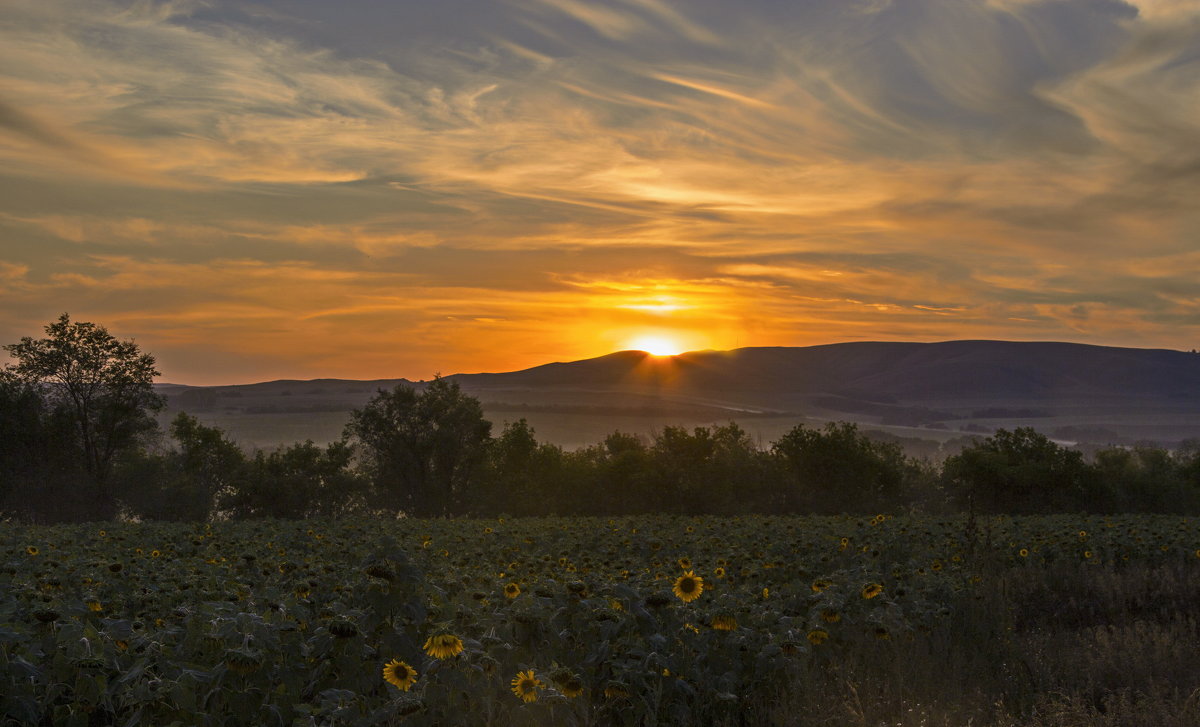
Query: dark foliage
pixel 77 442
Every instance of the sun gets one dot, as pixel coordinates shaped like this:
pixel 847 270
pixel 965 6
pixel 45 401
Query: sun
pixel 656 345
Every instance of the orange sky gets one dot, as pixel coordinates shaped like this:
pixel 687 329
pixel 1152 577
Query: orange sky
pixel 300 189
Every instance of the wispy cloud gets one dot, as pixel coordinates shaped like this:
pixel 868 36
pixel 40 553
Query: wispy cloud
pixel 497 184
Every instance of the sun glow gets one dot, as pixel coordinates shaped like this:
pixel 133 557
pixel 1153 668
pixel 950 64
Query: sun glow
pixel 656 345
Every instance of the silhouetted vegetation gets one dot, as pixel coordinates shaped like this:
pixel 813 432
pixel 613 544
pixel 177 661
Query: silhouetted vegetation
pixel 78 442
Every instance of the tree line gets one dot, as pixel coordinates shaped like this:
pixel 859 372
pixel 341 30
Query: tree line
pixel 79 440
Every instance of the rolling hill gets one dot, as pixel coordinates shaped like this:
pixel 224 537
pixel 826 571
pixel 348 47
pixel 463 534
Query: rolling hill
pixel 936 390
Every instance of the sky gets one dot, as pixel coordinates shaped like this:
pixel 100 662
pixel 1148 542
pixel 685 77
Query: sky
pixel 256 190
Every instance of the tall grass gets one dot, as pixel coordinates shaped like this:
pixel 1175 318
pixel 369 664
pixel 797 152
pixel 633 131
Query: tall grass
pixel 1066 645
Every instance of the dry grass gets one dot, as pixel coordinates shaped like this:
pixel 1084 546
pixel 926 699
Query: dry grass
pixel 1063 646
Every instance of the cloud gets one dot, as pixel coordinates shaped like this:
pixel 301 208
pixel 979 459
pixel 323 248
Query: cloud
pixel 545 176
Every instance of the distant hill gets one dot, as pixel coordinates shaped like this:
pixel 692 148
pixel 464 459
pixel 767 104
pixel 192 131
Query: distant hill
pixel 933 389
pixel 914 373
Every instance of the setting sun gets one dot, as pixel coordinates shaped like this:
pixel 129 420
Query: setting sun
pixel 656 345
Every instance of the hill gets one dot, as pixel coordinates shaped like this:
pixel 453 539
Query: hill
pixel 928 390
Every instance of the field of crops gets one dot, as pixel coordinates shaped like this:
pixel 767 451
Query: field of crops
pixel 644 620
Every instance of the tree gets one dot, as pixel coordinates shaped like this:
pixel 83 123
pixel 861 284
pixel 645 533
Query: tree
pixel 300 481
pixel 610 478
pixel 837 469
pixel 422 450
pixel 717 470
pixel 524 476
pixel 104 385
pixel 1022 471
pixel 37 466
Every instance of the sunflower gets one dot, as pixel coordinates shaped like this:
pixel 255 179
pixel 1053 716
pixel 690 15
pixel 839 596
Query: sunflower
pixel 820 584
pixel 830 616
pixel 688 587
pixel 719 572
pixel 443 646
pixel 570 686
pixel 94 606
pixel 871 590
pixel 684 563
pixel 724 622
pixel 525 686
pixel 31 549
pixel 400 674
pixel 616 690
pixel 816 637
pixel 512 590
pixel 1023 552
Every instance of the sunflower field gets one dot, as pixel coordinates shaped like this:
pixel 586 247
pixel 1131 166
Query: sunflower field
pixel 668 620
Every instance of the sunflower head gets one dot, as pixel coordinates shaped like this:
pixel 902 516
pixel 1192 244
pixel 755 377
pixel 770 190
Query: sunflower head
pixel 399 674
pixel 525 685
pixel 443 646
pixel 688 587
pixel 724 622
pixel 572 688
pixel 817 637
pixel 31 550
pixel 871 590
pixel 512 590
pixel 616 690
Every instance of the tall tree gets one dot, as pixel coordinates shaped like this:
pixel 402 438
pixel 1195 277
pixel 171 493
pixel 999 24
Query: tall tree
pixel 1023 471
pixel 838 469
pixel 104 384
pixel 422 450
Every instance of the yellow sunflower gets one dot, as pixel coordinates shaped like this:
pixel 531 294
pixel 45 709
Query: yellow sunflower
pixel 443 646
pixel 400 674
pixel 724 622
pixel 32 549
pixel 829 615
pixel 688 587
pixel 512 590
pixel 572 688
pixel 871 590
pixel 816 637
pixel 525 685
pixel 616 690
